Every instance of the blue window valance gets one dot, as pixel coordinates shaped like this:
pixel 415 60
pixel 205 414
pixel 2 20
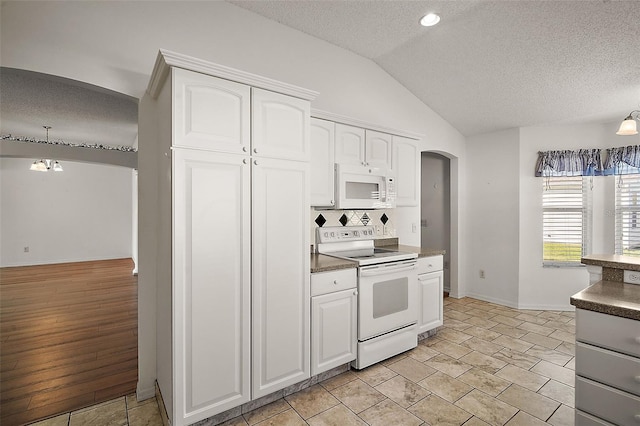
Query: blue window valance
pixel 583 162
pixel 624 160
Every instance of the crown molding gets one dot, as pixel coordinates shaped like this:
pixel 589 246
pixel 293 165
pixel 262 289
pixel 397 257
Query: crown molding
pixel 167 59
pixel 325 115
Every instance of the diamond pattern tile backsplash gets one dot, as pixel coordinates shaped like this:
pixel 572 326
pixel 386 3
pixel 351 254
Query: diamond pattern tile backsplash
pixel 381 219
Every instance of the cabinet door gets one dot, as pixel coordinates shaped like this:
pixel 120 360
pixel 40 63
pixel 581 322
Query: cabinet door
pixel 333 330
pixel 280 126
pixel 349 145
pixel 210 113
pixel 378 149
pixel 211 283
pixel 322 162
pixel 430 301
pixel 280 286
pixel 406 168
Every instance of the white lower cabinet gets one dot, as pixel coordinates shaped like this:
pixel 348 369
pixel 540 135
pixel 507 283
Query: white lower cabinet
pixel 334 307
pixel 430 283
pixel 607 369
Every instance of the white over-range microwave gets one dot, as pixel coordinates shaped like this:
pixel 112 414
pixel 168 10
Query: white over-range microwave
pixel 364 187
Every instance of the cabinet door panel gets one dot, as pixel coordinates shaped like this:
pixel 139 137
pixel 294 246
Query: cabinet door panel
pixel 322 162
pixel 280 284
pixel 333 330
pixel 430 301
pixel 406 168
pixel 210 113
pixel 280 126
pixel 378 149
pixel 349 145
pixel 211 274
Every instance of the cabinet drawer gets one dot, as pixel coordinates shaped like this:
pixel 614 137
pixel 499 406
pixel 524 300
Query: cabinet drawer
pixel 611 368
pixel 429 264
pixel 328 282
pixel 608 331
pixel 609 404
pixel 584 419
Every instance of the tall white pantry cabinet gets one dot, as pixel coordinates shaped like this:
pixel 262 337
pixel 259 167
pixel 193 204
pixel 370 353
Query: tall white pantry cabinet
pixel 231 151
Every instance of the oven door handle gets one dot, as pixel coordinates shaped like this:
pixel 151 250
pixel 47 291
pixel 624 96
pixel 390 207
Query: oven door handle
pixel 390 268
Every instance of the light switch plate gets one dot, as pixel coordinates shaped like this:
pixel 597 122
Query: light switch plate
pixel 632 277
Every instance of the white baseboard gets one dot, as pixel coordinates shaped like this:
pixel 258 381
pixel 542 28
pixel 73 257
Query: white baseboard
pixel 538 307
pixel 503 302
pixel 145 393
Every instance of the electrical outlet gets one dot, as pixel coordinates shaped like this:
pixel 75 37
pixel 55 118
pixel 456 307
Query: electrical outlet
pixel 632 277
pixel 26 249
pixel 414 227
pixel 482 273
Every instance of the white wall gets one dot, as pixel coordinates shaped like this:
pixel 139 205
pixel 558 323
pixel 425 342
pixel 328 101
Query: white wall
pixel 118 48
pixel 82 213
pixel 492 217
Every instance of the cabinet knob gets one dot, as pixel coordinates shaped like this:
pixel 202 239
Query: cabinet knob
pixel 332 202
pixel 335 282
pixel 244 161
pixel 244 149
pixel 255 162
pixel 255 150
pixel 355 292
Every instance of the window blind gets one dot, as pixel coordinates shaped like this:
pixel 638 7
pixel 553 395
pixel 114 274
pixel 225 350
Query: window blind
pixel 566 220
pixel 628 215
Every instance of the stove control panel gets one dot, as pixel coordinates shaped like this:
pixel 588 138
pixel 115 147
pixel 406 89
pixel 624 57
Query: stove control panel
pixel 337 234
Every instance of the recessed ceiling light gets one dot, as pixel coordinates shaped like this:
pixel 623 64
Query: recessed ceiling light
pixel 429 20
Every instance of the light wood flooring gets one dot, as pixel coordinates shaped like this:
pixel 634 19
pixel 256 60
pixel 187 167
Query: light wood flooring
pixel 68 336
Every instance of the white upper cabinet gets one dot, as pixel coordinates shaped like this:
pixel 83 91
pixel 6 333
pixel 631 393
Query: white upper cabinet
pixel 377 149
pixel 280 126
pixel 210 113
pixel 350 143
pixel 322 162
pixel 406 168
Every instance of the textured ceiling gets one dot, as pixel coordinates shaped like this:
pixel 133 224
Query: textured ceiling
pixel 490 65
pixel 77 112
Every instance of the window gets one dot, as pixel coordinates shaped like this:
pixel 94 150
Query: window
pixel 566 220
pixel 628 215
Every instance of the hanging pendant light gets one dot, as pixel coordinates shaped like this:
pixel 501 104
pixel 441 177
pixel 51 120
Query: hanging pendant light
pixel 629 127
pixel 44 165
pixel 57 167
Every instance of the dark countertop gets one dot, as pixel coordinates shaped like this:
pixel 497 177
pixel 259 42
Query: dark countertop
pixel 323 263
pixel 610 297
pixel 614 261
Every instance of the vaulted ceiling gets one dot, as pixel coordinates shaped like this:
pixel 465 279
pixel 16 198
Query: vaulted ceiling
pixel 490 65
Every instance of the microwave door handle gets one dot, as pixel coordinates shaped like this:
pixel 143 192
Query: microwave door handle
pixel 381 270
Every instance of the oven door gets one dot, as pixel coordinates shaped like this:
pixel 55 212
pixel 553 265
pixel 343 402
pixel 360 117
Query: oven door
pixel 387 298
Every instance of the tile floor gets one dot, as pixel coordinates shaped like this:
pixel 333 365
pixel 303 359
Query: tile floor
pixel 489 364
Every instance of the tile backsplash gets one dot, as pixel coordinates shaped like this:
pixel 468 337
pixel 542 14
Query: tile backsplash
pixel 382 220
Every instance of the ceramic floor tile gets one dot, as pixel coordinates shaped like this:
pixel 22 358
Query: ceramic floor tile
pixel 61 420
pixel 448 365
pixel 422 353
pixel 559 392
pixel 555 372
pixel 571 364
pixel 357 395
pixel 452 349
pixel 437 411
pixel 339 380
pixel 567 348
pixel 551 315
pixel 402 391
pixel 387 413
pixel 336 416
pixel 540 340
pixel 522 377
pixel 375 374
pixel 536 328
pixel 518 359
pixel 483 346
pixel 132 401
pixel 236 421
pixel 511 322
pixel 311 401
pixel 411 369
pixel 452 335
pixel 564 416
pixel 445 386
pixel 286 418
pixel 533 403
pixel 508 330
pixel 112 413
pixel 524 419
pixel 457 315
pixel 393 359
pixel 564 336
pixel 481 322
pixel 474 421
pixel 483 362
pixel 486 408
pixel 513 343
pixel 480 313
pixel 528 317
pixel 550 355
pixel 266 411
pixel 486 382
pixel 455 324
pixel 145 415
pixel 482 333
